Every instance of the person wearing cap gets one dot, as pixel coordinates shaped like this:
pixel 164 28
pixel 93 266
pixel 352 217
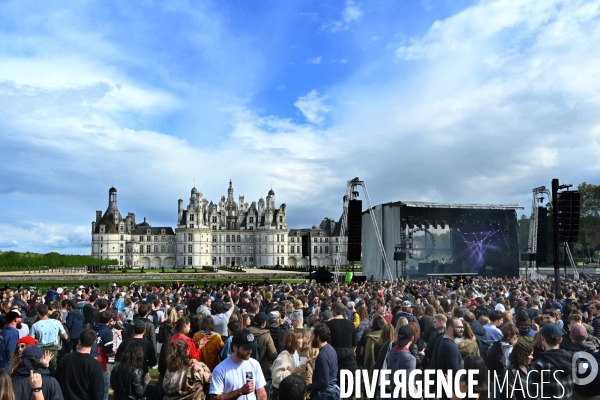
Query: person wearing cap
pixel 580 343
pixel 9 336
pixel 277 333
pixel 553 368
pixel 406 312
pixel 239 376
pixel 32 363
pixel 266 347
pixel 399 356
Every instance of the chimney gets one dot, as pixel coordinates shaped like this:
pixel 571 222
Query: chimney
pixel 98 216
pixel 179 211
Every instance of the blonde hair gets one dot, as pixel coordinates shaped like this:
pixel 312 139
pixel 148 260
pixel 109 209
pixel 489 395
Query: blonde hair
pixel 401 322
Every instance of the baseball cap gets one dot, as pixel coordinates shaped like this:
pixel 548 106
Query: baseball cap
pixel 578 332
pixel 521 303
pixel 551 331
pixel 500 307
pixel 273 316
pixel 178 308
pixel 32 351
pixel 260 318
pixel 244 338
pixel 406 303
pixel 327 314
pixel 405 335
pixel 12 315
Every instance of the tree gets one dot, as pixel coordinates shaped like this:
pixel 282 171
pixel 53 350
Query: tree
pixel 589 220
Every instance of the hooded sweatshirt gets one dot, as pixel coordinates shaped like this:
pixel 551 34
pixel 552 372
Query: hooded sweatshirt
pixel 211 350
pixel 399 358
pixel 558 379
pixel 20 381
pixel 370 357
pixel 75 322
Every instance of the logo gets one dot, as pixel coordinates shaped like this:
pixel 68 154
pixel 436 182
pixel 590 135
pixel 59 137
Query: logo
pixel 250 338
pixel 585 368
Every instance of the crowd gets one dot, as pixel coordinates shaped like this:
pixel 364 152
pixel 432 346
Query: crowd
pixel 282 341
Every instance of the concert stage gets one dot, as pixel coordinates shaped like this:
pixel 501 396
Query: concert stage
pixel 440 238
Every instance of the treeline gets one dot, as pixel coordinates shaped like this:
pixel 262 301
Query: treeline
pixel 50 260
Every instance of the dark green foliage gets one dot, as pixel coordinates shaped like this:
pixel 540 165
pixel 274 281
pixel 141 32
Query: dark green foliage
pixel 20 261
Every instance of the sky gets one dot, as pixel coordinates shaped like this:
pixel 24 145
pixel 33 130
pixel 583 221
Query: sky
pixel 450 101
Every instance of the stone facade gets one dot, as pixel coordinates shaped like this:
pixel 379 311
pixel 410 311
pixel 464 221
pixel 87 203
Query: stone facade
pixel 208 234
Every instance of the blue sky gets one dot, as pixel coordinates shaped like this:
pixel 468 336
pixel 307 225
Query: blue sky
pixel 446 101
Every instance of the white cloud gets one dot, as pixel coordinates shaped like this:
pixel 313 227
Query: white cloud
pixel 313 107
pixel 350 13
pixel 314 60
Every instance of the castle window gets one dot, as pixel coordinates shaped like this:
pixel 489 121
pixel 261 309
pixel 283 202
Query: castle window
pixel 148 238
pixel 278 238
pixel 292 249
pixel 214 220
pixel 170 238
pixel 326 240
pixel 251 219
pixel 189 260
pixel 320 249
pixel 227 238
pixel 156 248
pixel 141 249
pixel 190 237
pixel 298 249
pixel 315 249
pixel 214 238
pixel 148 232
pixel 141 238
pixel 326 249
pixel 148 249
pixel 227 249
pixel 191 226
pixel 156 238
pixel 190 248
pixel 191 217
pixel 162 248
pixel 163 231
pixel 280 219
pixel 121 237
pixel 214 227
pixel 162 238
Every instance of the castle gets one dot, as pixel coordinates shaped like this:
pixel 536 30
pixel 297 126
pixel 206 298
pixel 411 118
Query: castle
pixel 228 233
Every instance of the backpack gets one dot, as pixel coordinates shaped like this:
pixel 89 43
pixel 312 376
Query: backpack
pixel 256 352
pixel 484 347
pixel 2 349
pixel 154 316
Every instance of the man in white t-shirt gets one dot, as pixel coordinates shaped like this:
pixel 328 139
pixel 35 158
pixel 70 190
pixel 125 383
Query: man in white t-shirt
pixel 239 376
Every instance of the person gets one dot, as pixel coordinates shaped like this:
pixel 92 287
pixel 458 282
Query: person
pixel 294 388
pixel 594 309
pixel 553 368
pixel 221 318
pixel 288 361
pixel 203 309
pixel 6 388
pixel 142 315
pixel 127 378
pixel 266 347
pixel 371 339
pixel 46 331
pixel 580 343
pixel 399 356
pixel 33 362
pixel 491 329
pixel 342 338
pixel 497 358
pixel 22 344
pixel 9 337
pixel 446 354
pixel 180 332
pixel 79 375
pixel 467 345
pixel 75 322
pixel 479 385
pixel 520 359
pixel 384 345
pixel 275 330
pixel 139 329
pixel 310 353
pixel 432 335
pixel 324 384
pixel 165 332
pixel 364 323
pixel 185 377
pixel 104 345
pixel 239 376
pixel 214 344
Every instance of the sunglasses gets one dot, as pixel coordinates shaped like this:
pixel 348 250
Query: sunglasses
pixel 22 346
